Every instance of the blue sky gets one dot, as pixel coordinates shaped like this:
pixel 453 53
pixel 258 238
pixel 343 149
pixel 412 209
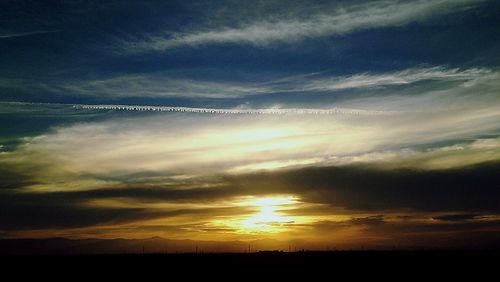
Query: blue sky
pixel 184 53
pixel 413 85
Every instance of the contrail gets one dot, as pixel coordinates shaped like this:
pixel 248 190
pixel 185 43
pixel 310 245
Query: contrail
pixel 248 111
pixel 263 111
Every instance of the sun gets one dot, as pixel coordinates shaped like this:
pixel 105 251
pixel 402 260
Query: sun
pixel 269 217
pixel 264 215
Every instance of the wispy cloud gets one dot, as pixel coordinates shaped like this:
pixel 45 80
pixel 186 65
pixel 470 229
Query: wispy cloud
pixel 320 82
pixel 340 21
pixel 159 85
pixel 28 33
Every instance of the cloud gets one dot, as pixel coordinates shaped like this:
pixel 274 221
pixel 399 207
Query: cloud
pixel 351 199
pixel 456 217
pixel 158 86
pixel 417 80
pixel 369 220
pixel 14 179
pixel 373 81
pixel 28 33
pixel 238 110
pixel 159 146
pixel 340 21
pixel 369 188
pixel 473 189
pixel 415 233
pixel 436 155
pixel 27 211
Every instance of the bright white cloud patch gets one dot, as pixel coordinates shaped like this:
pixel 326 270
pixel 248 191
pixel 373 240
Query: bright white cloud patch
pixel 177 145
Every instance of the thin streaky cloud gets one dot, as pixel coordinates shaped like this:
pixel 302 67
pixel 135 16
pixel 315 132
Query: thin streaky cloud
pixel 249 111
pixel 22 34
pixel 162 85
pixel 373 80
pixel 341 21
pixel 205 110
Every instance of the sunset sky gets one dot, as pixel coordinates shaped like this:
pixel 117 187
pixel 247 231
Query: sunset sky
pixel 334 123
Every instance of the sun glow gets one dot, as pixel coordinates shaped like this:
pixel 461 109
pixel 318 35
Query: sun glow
pixel 269 218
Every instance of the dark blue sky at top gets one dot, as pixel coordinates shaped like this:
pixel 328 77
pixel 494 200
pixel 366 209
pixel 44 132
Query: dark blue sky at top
pixel 79 40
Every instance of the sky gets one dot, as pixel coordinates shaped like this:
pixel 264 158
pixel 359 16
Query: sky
pixel 339 123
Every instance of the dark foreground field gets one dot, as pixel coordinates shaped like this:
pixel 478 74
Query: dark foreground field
pixel 412 263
